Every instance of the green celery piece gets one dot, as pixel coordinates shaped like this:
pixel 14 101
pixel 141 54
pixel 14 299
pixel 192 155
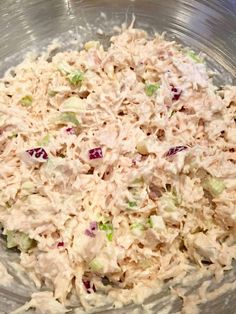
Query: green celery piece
pixel 75 77
pixel 108 228
pixel 96 265
pixel 26 101
pixel 45 140
pixel 69 117
pixel 214 186
pixel 20 240
pixel 194 56
pixel 109 236
pixel 137 225
pixel 52 93
pixel 150 89
pixel 14 135
pixel 132 204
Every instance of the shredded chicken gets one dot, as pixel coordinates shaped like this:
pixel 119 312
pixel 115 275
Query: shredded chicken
pixel 116 164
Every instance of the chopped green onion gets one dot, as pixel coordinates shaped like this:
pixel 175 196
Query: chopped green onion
pixel 96 265
pixel 214 186
pixel 66 117
pixel 108 228
pixel 150 89
pixel 26 101
pixel 20 240
pixel 75 77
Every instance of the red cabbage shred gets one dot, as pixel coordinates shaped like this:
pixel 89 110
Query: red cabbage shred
pixel 90 288
pixel 174 150
pixel 90 231
pixel 93 226
pixel 38 153
pixel 70 131
pixel 95 153
pixel 176 93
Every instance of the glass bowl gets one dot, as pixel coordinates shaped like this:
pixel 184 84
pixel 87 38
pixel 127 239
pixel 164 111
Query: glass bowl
pixel 207 26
